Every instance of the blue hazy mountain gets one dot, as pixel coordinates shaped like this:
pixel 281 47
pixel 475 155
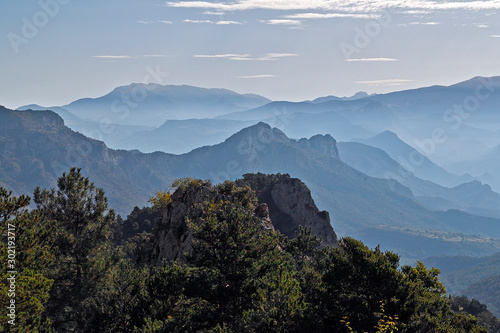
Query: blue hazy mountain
pixel 153 104
pixel 485 167
pixel 468 123
pixel 464 122
pixel 472 197
pixel 182 136
pixel 113 134
pixel 358 95
pixel 68 117
pixel 36 148
pixel 412 160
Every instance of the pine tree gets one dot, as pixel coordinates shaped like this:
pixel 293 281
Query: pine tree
pixel 26 249
pixel 83 248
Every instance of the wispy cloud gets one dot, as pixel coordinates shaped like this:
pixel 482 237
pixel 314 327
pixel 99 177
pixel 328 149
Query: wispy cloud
pixel 262 76
pixel 227 22
pixel 495 36
pixel 117 57
pixel 390 82
pixel 282 22
pixel 113 57
pixel 213 22
pixel 214 13
pixel 247 57
pixel 423 23
pixel 198 21
pixel 349 6
pixel 230 56
pixel 305 16
pixel 153 22
pixel 370 59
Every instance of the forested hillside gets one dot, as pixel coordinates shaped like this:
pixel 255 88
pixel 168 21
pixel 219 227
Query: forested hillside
pixel 76 271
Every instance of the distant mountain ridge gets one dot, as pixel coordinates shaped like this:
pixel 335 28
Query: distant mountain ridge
pixel 472 197
pixel 36 148
pixel 358 95
pixel 412 160
pixel 147 104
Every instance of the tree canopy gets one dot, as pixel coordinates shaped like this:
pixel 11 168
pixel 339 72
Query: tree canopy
pixel 238 276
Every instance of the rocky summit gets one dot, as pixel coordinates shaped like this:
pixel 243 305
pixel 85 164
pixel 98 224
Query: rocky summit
pixel 290 205
pixel 280 202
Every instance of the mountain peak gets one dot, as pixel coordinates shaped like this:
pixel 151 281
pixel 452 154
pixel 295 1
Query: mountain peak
pixel 387 135
pixel 478 81
pixel 324 144
pixel 358 95
pixel 258 135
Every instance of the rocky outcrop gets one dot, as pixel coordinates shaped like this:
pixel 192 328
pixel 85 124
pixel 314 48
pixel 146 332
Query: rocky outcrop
pixel 284 204
pixel 326 145
pixel 290 205
pixel 172 236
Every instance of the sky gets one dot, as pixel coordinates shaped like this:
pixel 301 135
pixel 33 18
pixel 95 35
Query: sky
pixel 53 52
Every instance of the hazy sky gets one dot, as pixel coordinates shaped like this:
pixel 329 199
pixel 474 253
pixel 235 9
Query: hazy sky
pixel 56 51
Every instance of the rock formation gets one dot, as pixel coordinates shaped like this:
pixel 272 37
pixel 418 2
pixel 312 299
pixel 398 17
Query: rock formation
pixel 284 204
pixel 290 205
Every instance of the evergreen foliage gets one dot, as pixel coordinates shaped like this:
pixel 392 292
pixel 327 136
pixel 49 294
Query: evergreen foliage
pixel 239 276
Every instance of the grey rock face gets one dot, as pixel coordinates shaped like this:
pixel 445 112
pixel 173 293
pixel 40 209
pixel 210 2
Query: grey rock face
pixel 290 205
pixel 285 203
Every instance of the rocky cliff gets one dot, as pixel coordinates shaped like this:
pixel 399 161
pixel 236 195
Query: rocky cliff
pixel 284 204
pixel 290 205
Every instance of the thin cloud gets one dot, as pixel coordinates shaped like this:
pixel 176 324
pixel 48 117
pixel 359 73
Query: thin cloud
pixel 390 82
pixel 227 22
pixel 113 57
pixel 152 56
pixel 117 57
pixel 153 22
pixel 226 56
pixel 262 76
pixel 214 13
pixel 495 36
pixel 282 22
pixel 247 57
pixel 424 23
pixel 305 16
pixel 198 21
pixel 350 6
pixel 213 22
pixel 370 59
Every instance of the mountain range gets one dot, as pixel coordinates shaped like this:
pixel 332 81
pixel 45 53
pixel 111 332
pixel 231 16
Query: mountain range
pixel 450 125
pixel 36 147
pixel 471 196
pixel 151 104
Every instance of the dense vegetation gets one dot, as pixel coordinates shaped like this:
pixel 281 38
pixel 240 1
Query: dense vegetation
pixel 77 272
